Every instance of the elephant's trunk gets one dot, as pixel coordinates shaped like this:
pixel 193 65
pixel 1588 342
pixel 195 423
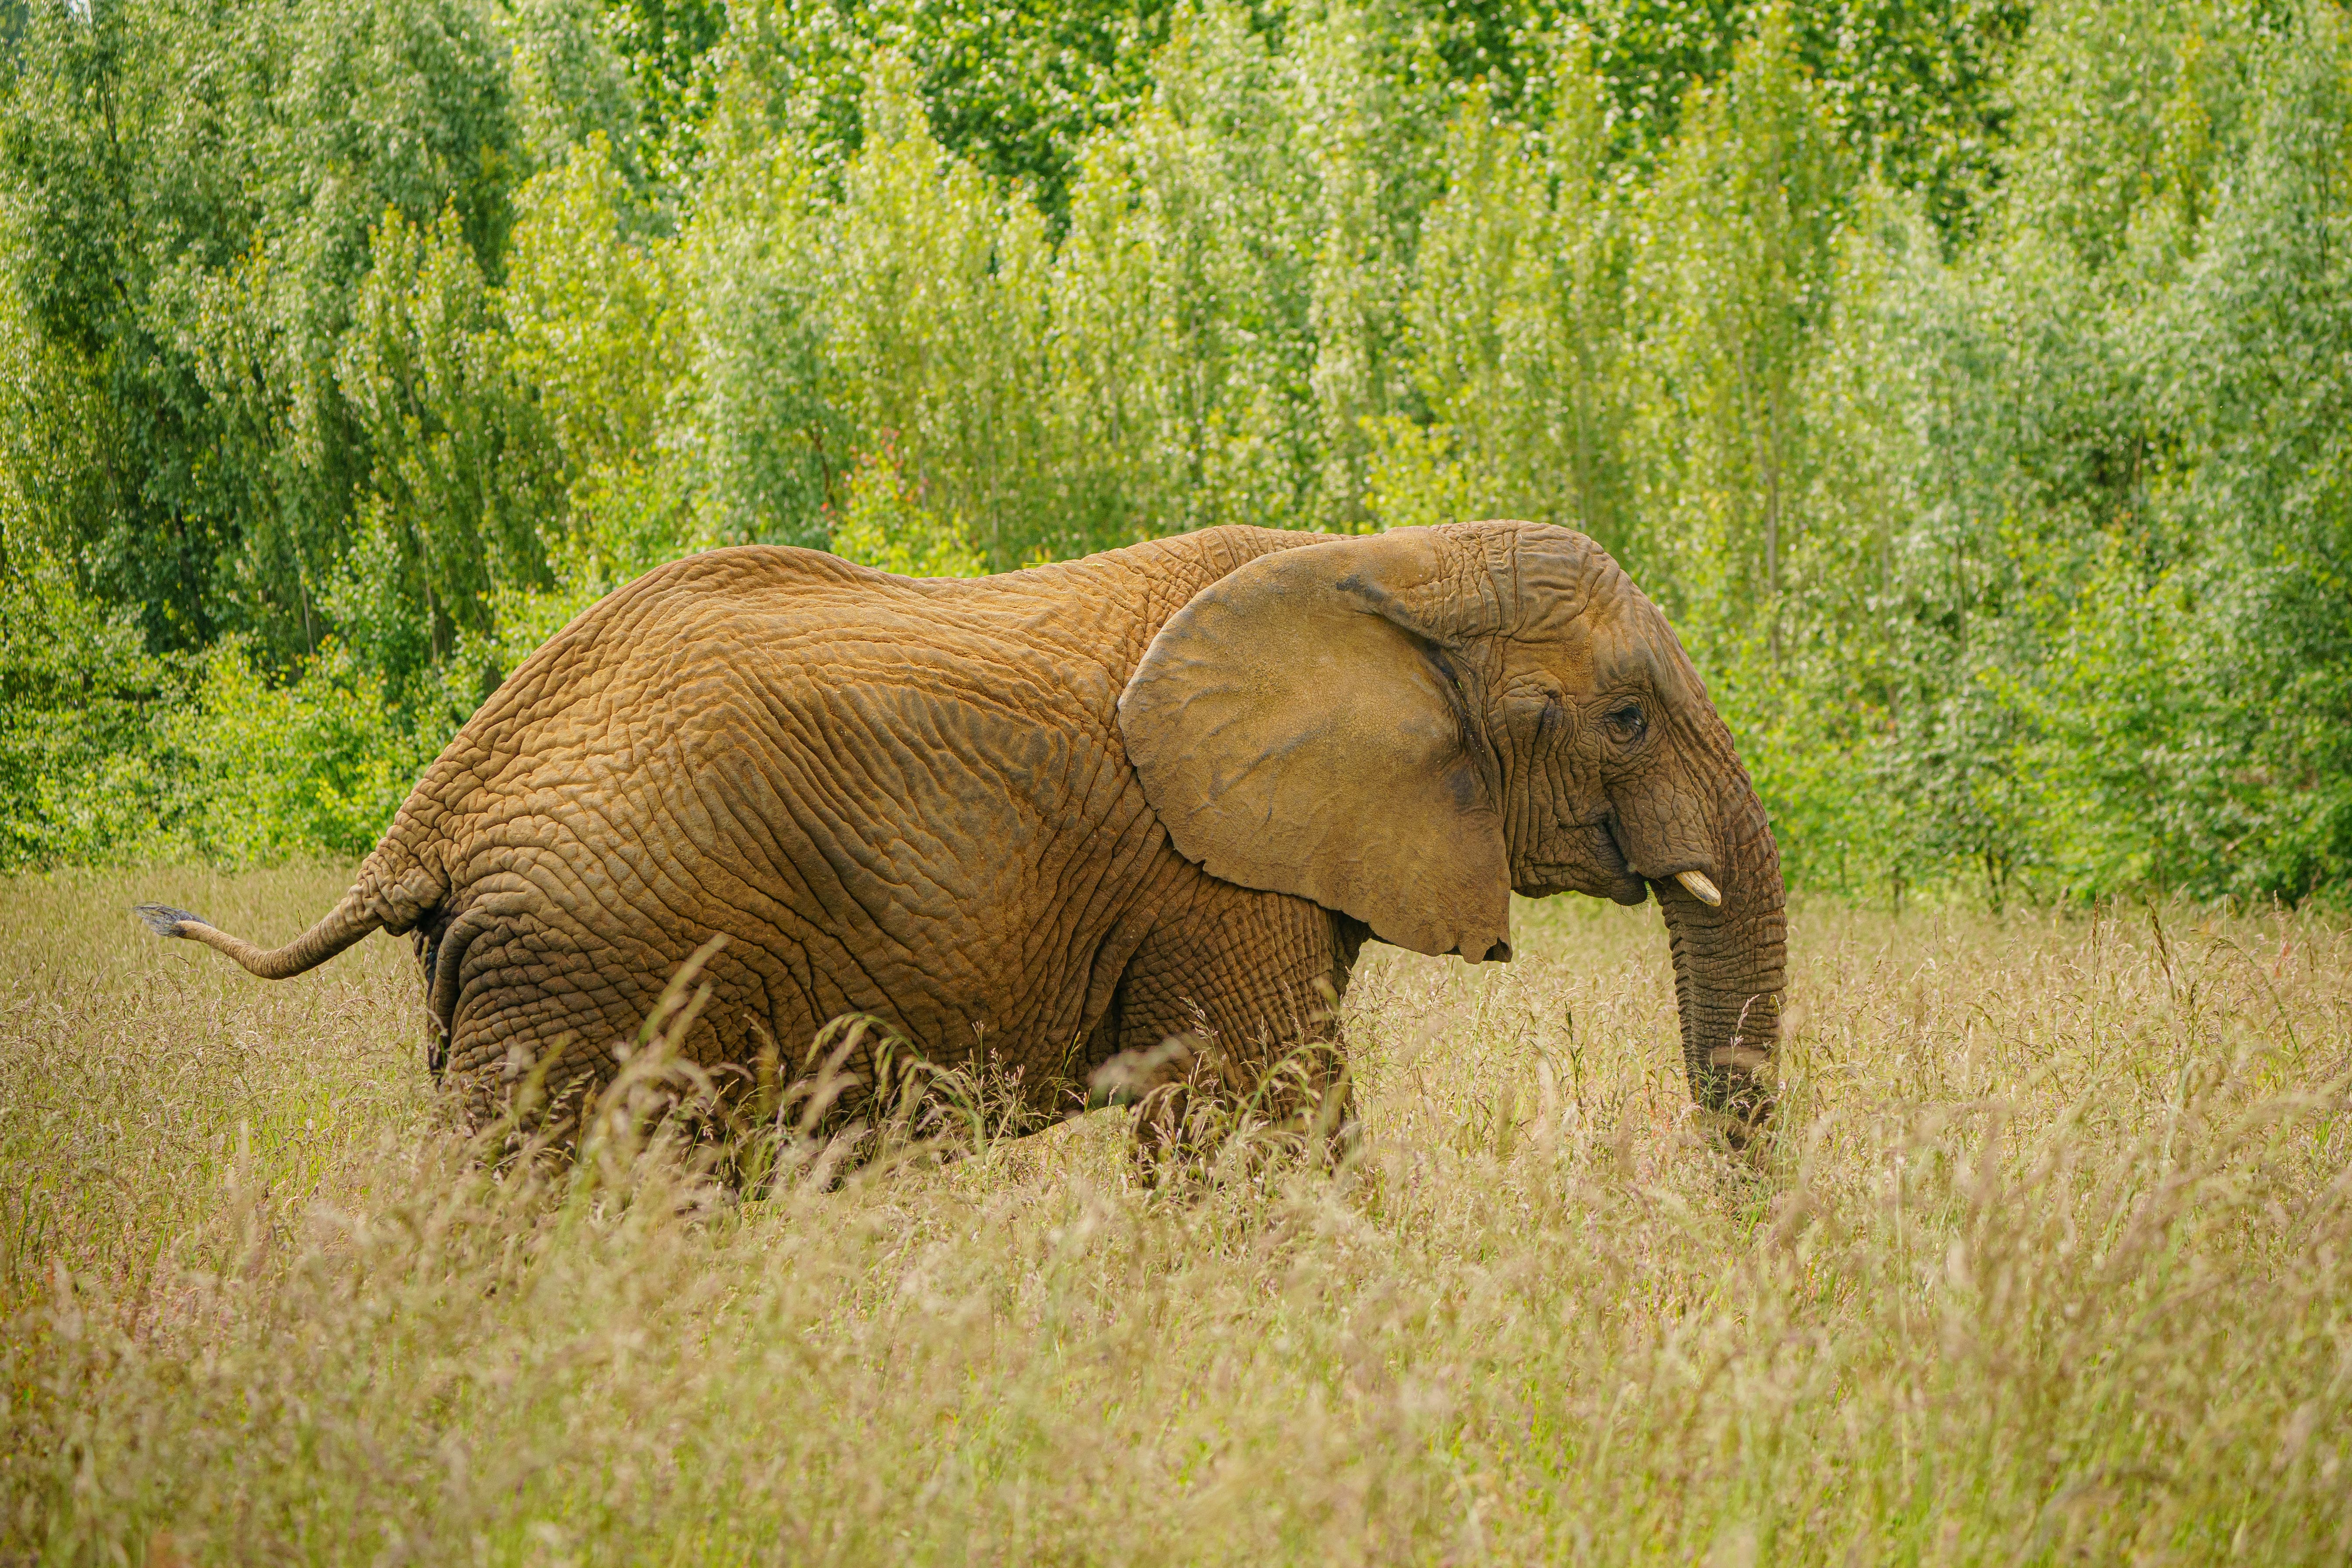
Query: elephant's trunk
pixel 1729 963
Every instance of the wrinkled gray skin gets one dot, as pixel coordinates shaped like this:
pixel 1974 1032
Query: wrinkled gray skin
pixel 1045 817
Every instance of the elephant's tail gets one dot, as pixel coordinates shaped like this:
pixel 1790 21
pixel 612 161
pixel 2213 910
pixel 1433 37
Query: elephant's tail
pixel 341 926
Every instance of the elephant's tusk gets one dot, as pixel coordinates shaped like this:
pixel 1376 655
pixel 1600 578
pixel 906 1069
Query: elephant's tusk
pixel 1704 892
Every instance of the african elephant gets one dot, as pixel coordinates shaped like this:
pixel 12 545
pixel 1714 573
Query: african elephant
pixel 1060 813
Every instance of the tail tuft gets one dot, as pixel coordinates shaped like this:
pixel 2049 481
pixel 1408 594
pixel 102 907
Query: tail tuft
pixel 165 920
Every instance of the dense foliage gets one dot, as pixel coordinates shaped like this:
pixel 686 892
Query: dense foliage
pixel 1971 382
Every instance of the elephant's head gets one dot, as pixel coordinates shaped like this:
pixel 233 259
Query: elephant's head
pixel 1409 726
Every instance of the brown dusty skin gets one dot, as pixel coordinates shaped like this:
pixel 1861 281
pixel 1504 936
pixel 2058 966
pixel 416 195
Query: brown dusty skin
pixel 1043 818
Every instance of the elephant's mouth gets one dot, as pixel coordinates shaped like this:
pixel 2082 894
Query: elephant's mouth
pixel 1580 858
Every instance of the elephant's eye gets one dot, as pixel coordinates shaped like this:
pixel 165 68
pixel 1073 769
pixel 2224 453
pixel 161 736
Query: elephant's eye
pixel 1627 722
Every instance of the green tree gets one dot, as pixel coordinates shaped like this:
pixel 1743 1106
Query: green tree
pixel 1739 258
pixel 2255 351
pixel 1183 350
pixel 1519 330
pixel 193 186
pixel 936 324
pixel 884 523
pixel 466 465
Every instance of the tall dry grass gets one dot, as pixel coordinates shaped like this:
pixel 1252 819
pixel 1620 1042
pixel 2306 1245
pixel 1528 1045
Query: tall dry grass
pixel 2052 1261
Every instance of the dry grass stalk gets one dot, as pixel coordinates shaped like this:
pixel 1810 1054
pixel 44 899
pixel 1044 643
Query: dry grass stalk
pixel 2051 1262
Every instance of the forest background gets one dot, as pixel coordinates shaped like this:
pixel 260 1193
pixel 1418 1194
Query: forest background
pixel 1971 384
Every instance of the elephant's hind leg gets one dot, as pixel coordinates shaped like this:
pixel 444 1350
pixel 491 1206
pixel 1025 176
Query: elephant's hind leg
pixel 525 1007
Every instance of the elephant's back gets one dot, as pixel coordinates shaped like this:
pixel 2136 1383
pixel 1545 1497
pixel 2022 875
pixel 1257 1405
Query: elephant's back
pixel 795 658
pixel 885 806
pixel 1041 637
pixel 812 683
pixel 661 623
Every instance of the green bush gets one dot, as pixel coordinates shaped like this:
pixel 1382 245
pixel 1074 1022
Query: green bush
pixel 885 524
pixel 109 753
pixel 263 772
pixel 78 689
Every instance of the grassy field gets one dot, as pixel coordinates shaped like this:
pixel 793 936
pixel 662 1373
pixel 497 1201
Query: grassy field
pixel 2052 1261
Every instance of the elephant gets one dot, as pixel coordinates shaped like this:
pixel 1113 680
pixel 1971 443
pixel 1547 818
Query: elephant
pixel 1053 818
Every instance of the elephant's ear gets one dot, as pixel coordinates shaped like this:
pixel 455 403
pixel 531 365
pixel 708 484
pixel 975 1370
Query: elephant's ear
pixel 1298 728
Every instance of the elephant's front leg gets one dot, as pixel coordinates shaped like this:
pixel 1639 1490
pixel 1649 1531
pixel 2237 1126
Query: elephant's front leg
pixel 1227 1017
